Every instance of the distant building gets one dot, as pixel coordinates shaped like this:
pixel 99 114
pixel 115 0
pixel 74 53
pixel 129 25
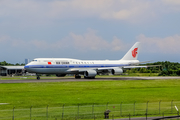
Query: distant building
pixel 11 70
pixel 26 61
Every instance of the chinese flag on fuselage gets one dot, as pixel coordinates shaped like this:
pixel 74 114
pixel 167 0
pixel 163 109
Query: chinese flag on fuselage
pixel 49 63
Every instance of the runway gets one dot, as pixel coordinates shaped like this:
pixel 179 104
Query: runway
pixel 71 79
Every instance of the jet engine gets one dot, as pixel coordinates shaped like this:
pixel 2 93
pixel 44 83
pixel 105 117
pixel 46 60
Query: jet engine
pixel 117 71
pixel 60 75
pixel 90 73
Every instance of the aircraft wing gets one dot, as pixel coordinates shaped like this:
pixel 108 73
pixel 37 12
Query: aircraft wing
pixel 100 70
pixel 141 66
pixel 137 63
pixel 110 68
pixel 80 69
pixel 126 67
pixel 107 68
pixel 145 61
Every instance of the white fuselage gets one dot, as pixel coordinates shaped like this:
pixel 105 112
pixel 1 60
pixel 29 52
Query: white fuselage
pixel 68 66
pixel 87 68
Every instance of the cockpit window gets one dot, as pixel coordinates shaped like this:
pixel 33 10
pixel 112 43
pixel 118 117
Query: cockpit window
pixel 34 60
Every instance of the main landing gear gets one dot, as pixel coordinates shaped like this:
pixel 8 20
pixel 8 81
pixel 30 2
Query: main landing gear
pixel 77 76
pixel 89 77
pixel 38 78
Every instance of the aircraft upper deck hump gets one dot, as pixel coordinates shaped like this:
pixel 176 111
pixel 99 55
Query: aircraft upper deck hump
pixel 132 54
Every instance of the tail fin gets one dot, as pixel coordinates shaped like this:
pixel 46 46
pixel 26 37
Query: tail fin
pixel 132 54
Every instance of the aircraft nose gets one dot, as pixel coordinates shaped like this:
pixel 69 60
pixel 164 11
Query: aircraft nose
pixel 26 66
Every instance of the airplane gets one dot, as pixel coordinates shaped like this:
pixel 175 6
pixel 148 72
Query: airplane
pixel 86 68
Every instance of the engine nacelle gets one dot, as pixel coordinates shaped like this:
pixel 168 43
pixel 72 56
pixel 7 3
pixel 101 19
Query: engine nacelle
pixel 90 73
pixel 60 75
pixel 117 71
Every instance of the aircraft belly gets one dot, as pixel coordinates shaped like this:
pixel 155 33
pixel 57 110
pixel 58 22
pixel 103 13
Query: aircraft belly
pixel 47 70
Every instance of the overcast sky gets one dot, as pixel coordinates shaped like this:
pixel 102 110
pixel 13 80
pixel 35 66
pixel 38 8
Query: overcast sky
pixel 89 29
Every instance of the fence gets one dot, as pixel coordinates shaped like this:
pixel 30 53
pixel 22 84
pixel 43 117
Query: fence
pixel 93 111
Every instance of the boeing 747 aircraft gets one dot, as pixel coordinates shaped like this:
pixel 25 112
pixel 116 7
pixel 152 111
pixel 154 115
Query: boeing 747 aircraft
pixel 86 68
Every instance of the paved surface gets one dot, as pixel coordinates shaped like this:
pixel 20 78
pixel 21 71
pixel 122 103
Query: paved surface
pixel 71 79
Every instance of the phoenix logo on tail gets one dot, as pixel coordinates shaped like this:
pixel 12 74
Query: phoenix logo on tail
pixel 134 52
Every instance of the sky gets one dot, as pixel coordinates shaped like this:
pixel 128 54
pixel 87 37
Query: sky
pixel 89 29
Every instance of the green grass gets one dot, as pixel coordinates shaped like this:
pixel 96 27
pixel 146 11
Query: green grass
pixel 55 94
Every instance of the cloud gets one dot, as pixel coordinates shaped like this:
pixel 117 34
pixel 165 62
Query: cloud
pixel 172 2
pixel 169 45
pixel 128 11
pixel 4 39
pixel 171 6
pixel 9 42
pixel 33 12
pixel 91 41
pixel 103 9
pixel 88 41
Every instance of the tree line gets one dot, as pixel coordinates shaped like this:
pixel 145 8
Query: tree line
pixel 4 63
pixel 164 68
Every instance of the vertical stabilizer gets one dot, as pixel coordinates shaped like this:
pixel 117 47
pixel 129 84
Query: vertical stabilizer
pixel 132 54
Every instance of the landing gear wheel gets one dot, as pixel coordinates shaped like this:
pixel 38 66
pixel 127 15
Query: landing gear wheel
pixel 89 77
pixel 77 77
pixel 38 78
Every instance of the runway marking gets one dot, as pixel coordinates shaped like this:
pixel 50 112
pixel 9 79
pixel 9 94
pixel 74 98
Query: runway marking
pixel 4 103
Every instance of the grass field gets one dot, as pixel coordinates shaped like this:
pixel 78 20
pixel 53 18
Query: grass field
pixel 40 94
pixel 55 94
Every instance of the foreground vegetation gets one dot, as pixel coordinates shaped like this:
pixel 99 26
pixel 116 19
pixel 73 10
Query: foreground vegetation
pixel 23 95
pixel 90 95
